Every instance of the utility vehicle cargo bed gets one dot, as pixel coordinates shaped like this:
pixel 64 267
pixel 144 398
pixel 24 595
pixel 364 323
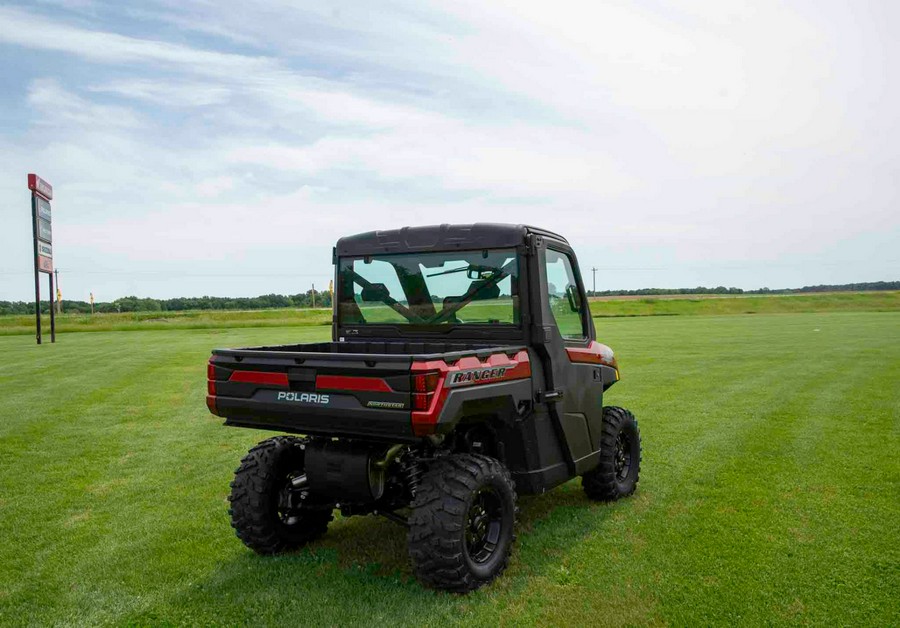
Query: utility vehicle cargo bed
pixel 362 389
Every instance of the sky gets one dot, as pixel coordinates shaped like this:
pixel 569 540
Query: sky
pixel 202 148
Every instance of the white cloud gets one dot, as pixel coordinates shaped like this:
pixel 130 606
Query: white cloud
pixel 166 93
pixel 20 28
pixel 60 107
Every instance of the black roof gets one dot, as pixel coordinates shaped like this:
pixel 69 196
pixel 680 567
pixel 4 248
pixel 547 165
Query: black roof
pixel 481 235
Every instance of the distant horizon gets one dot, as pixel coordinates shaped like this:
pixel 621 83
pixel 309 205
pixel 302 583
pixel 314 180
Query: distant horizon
pixel 322 286
pixel 611 291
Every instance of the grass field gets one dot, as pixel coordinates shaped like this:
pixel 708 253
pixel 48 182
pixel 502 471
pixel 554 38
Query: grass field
pixel 680 305
pixel 770 491
pixel 605 307
pixel 192 319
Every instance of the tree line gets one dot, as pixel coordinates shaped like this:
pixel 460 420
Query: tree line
pixel 179 304
pixel 844 287
pixel 323 299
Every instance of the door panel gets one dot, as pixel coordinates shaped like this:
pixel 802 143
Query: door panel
pixel 577 434
pixel 580 409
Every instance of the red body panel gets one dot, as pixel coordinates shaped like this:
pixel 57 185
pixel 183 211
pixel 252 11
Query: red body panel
pixel 517 367
pixel 259 377
pixel 594 353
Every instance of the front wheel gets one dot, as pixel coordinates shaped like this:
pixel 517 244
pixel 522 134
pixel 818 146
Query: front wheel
pixel 270 510
pixel 616 475
pixel 462 520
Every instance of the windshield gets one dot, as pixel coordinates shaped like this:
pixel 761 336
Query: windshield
pixel 448 288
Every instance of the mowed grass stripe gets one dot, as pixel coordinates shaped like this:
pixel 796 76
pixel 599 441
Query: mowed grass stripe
pixel 759 503
pixel 115 440
pixel 735 511
pixel 720 420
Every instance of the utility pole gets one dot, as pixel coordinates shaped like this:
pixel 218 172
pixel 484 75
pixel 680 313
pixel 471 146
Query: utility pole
pixel 314 296
pixel 594 271
pixel 52 309
pixel 58 292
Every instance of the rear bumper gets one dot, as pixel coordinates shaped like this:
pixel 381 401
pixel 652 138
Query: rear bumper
pixel 389 425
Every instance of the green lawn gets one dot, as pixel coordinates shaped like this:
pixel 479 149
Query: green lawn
pixel 191 319
pixel 681 305
pixel 770 491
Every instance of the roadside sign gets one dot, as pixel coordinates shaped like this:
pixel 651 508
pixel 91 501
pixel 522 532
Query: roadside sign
pixel 37 184
pixel 45 257
pixel 43 209
pixel 45 232
pixel 42 214
pixel 42 231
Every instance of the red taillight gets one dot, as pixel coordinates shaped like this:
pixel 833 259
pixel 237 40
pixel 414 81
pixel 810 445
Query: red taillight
pixel 425 382
pixel 421 401
pixel 424 385
pixel 211 388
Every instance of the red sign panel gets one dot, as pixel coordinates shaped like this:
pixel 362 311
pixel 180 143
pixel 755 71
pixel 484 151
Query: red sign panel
pixel 37 184
pixel 45 257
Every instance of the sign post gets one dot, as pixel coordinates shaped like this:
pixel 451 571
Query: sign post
pixel 41 195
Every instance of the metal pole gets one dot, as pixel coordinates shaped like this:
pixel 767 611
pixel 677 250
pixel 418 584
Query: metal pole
pixel 314 295
pixel 37 272
pixel 594 270
pixel 52 312
pixel 56 294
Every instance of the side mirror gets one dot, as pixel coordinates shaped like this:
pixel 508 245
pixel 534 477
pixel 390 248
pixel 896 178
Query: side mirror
pixel 574 298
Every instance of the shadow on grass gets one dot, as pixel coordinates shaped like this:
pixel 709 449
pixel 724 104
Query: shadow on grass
pixel 379 545
pixel 360 571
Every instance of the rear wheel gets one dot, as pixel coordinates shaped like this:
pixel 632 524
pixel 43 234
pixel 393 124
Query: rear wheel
pixel 617 474
pixel 269 510
pixel 461 526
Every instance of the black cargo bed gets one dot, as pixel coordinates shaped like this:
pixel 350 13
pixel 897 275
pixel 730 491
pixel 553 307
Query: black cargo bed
pixel 281 387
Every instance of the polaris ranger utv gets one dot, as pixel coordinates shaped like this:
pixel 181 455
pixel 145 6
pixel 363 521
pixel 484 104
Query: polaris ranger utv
pixel 463 370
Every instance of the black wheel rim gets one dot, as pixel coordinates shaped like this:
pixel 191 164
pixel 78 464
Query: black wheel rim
pixel 483 524
pixel 623 456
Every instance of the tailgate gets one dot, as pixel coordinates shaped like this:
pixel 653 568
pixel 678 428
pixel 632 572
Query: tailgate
pixel 312 393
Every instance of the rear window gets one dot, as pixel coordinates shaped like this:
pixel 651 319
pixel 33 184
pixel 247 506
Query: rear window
pixel 447 288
